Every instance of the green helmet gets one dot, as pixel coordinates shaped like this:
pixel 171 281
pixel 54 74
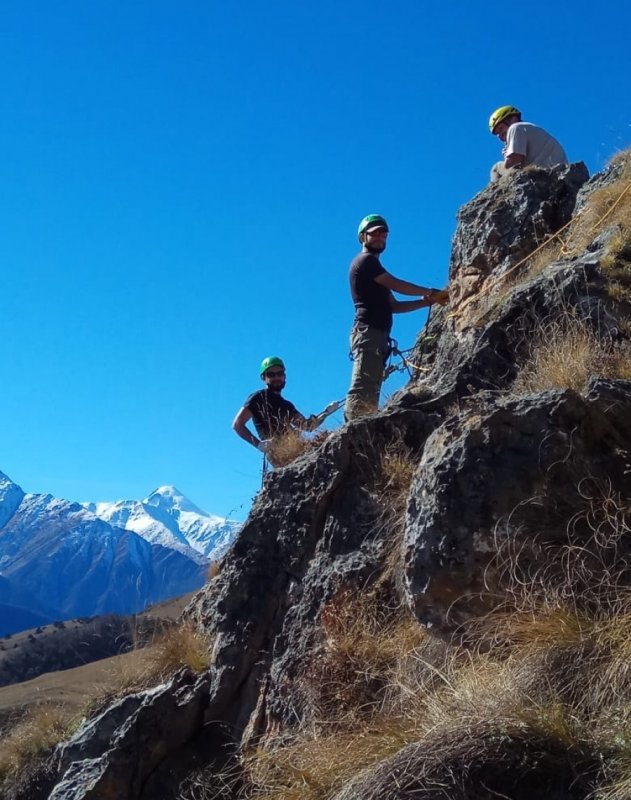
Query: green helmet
pixel 270 361
pixel 371 221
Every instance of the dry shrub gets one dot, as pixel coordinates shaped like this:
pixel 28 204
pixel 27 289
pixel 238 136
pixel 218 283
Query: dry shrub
pixel 396 471
pixel 179 646
pixel 32 738
pixel 566 353
pixel 605 207
pixel 290 445
pixel 362 642
pixel 175 647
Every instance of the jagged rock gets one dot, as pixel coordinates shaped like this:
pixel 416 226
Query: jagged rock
pixel 486 466
pixel 488 356
pixel 506 222
pixel 497 466
pixel 113 754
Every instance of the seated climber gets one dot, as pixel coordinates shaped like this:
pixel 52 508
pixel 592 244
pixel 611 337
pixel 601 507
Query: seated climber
pixel 525 143
pixel 271 414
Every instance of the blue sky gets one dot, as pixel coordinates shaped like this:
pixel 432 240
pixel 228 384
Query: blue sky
pixel 181 187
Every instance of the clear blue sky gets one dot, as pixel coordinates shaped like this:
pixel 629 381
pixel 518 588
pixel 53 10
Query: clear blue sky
pixel 181 187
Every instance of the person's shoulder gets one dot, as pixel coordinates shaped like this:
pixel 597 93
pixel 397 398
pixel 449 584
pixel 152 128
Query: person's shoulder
pixel 255 397
pixel 524 127
pixel 367 261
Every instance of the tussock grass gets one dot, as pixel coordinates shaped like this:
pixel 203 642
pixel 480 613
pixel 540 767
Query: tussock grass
pixel 290 445
pixel 363 641
pixel 33 737
pixel 180 646
pixel 607 208
pixel 542 681
pixel 177 646
pixel 565 353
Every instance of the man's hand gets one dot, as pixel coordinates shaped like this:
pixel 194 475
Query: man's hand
pixel 439 296
pixel 263 445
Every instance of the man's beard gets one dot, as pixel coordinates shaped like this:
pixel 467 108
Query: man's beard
pixel 276 385
pixel 376 249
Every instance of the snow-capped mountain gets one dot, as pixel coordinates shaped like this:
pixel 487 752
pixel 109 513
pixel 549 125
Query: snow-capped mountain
pixel 60 560
pixel 168 518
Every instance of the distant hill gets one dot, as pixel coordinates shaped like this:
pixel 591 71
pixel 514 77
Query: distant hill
pixel 65 645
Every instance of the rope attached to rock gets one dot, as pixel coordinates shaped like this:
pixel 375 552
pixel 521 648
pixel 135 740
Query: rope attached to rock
pixel 486 289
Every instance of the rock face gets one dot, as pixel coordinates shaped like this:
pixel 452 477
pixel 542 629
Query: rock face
pixel 487 467
pixel 507 221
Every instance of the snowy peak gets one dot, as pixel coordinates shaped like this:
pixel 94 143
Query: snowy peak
pixel 169 498
pixel 11 496
pixel 169 518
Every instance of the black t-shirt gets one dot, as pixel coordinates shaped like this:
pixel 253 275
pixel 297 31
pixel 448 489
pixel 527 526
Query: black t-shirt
pixel 372 301
pixel 271 413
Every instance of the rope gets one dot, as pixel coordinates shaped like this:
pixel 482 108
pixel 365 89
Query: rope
pixel 551 238
pixel 409 365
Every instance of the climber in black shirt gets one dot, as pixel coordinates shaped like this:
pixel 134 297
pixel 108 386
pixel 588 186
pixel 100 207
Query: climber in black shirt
pixel 271 414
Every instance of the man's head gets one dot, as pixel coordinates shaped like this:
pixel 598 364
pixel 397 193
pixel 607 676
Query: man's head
pixel 373 233
pixel 272 371
pixel 501 120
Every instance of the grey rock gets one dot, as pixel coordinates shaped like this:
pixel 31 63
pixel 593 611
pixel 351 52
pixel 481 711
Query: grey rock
pixel 507 221
pixel 486 465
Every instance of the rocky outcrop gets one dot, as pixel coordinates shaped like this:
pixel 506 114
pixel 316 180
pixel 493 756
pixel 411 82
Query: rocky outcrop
pixel 507 221
pixel 485 467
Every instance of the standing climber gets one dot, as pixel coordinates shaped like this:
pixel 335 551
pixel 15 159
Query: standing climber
pixel 371 289
pixel 271 414
pixel 525 143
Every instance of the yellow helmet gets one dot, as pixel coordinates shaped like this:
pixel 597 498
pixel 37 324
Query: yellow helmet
pixel 500 114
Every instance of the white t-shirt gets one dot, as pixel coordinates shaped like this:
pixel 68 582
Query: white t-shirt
pixel 535 144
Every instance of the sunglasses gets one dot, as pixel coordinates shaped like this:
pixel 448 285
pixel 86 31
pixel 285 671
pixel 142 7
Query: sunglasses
pixel 277 373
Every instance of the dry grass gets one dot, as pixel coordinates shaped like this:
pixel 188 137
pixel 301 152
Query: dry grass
pixel 292 444
pixel 565 353
pixel 547 674
pixel 361 646
pixel 177 646
pixel 34 736
pixel 605 208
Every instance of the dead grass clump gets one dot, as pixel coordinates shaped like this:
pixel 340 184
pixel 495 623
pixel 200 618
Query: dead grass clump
pixel 32 738
pixel 362 642
pixel 290 445
pixel 315 768
pixel 179 646
pixel 566 353
pixel 397 468
pixel 605 207
pixel 395 472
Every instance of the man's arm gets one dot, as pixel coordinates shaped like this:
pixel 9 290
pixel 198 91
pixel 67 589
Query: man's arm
pixel 402 287
pixel 514 160
pixel 516 146
pixel 403 306
pixel 304 424
pixel 239 426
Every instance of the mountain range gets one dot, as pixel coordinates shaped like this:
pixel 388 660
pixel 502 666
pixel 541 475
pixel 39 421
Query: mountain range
pixel 61 560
